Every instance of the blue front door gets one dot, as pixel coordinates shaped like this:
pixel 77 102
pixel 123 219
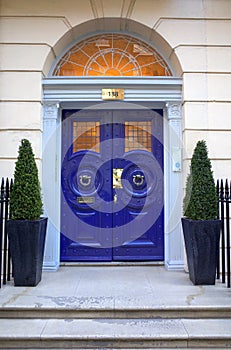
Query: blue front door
pixel 112 185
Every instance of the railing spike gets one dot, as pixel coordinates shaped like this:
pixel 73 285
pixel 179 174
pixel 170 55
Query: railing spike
pixel 226 189
pixel 2 189
pixel 2 183
pixel 7 188
pixel 222 190
pixel 217 188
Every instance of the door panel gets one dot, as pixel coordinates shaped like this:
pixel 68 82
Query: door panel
pixel 86 188
pixel 136 235
pixel 112 186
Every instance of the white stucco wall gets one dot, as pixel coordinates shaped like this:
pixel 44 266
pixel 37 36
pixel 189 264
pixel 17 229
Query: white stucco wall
pixel 196 33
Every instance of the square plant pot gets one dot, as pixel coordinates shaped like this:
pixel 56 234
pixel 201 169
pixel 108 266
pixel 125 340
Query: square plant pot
pixel 27 242
pixel 202 239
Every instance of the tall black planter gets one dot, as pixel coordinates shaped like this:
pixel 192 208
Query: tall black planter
pixel 202 248
pixel 27 241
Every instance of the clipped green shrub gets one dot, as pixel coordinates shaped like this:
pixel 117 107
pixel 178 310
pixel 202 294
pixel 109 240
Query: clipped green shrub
pixel 25 199
pixel 200 202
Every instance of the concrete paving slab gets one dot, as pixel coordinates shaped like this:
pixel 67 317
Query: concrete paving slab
pixel 116 328
pixel 16 329
pixel 108 287
pixel 113 282
pixel 62 302
pixel 207 328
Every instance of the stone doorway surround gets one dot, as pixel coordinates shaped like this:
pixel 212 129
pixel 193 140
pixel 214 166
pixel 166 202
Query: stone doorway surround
pixel 141 92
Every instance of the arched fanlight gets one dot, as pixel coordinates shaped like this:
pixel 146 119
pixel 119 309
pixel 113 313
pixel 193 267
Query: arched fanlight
pixel 112 55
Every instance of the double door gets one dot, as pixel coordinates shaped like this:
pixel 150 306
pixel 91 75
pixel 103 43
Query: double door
pixel 112 204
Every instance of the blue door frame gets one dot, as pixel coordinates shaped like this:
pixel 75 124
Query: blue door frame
pixel 112 198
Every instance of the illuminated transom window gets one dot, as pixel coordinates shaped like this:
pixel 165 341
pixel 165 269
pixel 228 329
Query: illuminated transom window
pixel 112 55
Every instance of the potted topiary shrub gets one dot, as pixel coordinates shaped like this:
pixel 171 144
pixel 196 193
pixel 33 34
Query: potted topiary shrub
pixel 201 228
pixel 26 229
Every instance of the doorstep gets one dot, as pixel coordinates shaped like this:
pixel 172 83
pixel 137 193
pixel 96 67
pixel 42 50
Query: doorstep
pixel 117 288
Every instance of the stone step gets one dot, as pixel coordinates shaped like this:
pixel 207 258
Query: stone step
pixel 164 312
pixel 114 333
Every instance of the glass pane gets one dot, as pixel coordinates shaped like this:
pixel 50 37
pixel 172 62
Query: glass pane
pixel 138 135
pixel 112 55
pixel 86 136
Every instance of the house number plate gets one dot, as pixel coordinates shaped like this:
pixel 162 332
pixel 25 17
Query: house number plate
pixel 112 94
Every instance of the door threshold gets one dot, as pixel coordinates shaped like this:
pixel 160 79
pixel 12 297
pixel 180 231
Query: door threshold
pixel 114 263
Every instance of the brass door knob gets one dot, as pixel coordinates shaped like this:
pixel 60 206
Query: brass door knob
pixel 115 198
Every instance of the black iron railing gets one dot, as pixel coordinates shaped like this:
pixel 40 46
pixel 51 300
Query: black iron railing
pixel 5 261
pixel 224 211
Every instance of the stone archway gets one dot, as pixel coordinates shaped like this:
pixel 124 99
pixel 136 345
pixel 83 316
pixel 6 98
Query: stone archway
pixel 162 92
pixel 113 25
